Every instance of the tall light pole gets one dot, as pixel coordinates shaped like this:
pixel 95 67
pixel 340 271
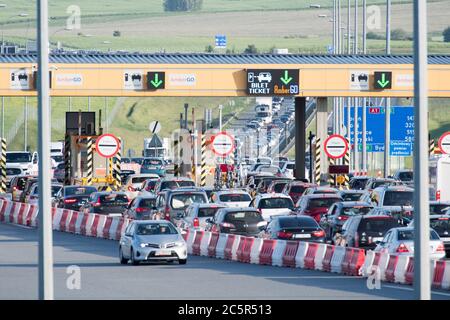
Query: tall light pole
pixel 220 117
pixel 421 174
pixel 364 107
pixel 387 109
pixel 45 218
pixel 356 99
pixel 25 132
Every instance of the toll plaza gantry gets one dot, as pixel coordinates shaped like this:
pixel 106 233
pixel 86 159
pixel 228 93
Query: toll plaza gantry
pixel 214 75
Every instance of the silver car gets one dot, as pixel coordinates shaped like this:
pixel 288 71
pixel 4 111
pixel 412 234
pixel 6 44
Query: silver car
pixel 152 240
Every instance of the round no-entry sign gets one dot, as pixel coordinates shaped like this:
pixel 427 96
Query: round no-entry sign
pixel 336 146
pixel 107 145
pixel 222 144
pixel 444 143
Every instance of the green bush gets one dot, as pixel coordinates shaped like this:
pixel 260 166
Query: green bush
pixel 251 49
pixel 182 5
pixel 400 34
pixel 375 36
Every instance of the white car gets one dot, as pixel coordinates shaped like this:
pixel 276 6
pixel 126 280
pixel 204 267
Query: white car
pixel 134 182
pixel 24 159
pixel 33 197
pixel 401 241
pixel 273 204
pixel 232 198
pixel 288 169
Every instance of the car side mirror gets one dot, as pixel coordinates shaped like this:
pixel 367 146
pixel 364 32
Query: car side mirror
pixel 209 220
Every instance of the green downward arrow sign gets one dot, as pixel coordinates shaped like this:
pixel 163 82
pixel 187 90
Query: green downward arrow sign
pixel 156 82
pixel 286 79
pixel 383 82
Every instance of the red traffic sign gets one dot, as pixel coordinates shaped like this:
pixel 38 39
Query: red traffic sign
pixel 444 143
pixel 107 145
pixel 336 146
pixel 222 144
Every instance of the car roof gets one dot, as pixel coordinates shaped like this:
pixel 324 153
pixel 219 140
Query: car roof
pixel 110 192
pixel 246 209
pixel 272 195
pixel 176 179
pixel 322 195
pixel 207 205
pixel 356 204
pixel 352 191
pixel 150 221
pixel 395 188
pixel 147 196
pixel 143 175
pixel 231 191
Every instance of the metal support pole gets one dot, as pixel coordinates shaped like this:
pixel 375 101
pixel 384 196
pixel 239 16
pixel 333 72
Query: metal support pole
pixel 364 109
pixel 106 114
pixel 3 117
pixel 89 103
pixel 356 139
pixel 220 118
pixel 364 38
pixel 421 174
pixel 388 26
pixel 70 104
pixel 355 35
pixel 25 131
pixel 387 104
pixel 45 217
pixel 186 106
pixel 349 43
pixel 300 137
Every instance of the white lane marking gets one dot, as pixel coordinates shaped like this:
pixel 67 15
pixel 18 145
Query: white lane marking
pixel 411 289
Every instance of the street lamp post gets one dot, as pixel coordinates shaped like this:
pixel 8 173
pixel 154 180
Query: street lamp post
pixel 387 105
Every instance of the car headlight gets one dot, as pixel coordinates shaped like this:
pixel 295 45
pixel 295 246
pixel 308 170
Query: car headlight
pixel 179 243
pixel 261 224
pixel 143 245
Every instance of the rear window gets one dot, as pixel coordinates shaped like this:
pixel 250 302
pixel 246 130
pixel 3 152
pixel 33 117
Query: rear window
pixel 75 191
pixel 356 210
pixel 359 183
pixel 271 169
pixel 137 160
pixel 322 203
pixel 234 197
pixel 279 187
pixel 207 212
pixel 439 208
pixel 54 190
pixel 169 185
pixel 398 198
pixel 405 235
pixel 13 171
pixel 138 179
pixel 276 203
pixel 351 196
pixel 13 157
pixel 405 176
pixel 297 189
pixel 320 191
pixel 147 203
pixel 184 200
pixel 152 162
pixel 155 229
pixel 243 216
pixel 186 183
pixel 377 184
pixel 114 198
pixel 441 226
pixel 298 222
pixel 377 225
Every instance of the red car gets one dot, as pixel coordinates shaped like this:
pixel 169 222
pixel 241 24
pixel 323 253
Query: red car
pixel 295 189
pixel 316 205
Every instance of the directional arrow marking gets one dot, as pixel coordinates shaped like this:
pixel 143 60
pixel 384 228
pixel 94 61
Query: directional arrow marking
pixel 286 79
pixel 383 82
pixel 156 82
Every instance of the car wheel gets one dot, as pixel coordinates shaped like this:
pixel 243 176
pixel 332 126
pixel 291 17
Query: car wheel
pixel 121 258
pixel 134 262
pixel 182 261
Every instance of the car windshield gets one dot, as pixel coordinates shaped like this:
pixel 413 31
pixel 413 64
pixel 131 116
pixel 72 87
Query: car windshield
pixel 207 212
pixel 58 158
pixel 276 203
pixel 351 211
pixel 441 226
pixel 147 203
pixel 439 208
pixel 114 198
pixel 247 216
pixel 13 171
pixel 359 184
pixel 405 176
pixel 55 190
pixel 15 157
pixel 398 198
pixel 183 200
pixel 295 222
pixel 270 169
pixel 408 235
pixel 322 202
pixel 152 162
pixel 377 184
pixel 297 189
pixel 155 229
pixel 377 225
pixel 238 197
pixel 138 179
pixel 78 191
pixel 351 196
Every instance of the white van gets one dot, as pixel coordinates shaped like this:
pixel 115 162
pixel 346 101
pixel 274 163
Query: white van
pixel 56 148
pixel 439 178
pixel 264 112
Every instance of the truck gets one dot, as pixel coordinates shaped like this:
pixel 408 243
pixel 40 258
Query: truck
pixel 439 177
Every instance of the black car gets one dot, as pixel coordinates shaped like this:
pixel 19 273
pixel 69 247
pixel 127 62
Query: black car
pixel 340 212
pixel 242 221
pixel 352 195
pixel 108 203
pixel 439 207
pixel 73 197
pixel 141 208
pixel 364 231
pixel 302 228
pixel 358 183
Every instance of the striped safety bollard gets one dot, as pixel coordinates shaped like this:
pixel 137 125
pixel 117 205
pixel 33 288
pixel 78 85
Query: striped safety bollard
pixel 67 164
pixel 347 163
pixel 317 163
pixel 3 167
pixel 111 171
pixel 117 163
pixel 432 147
pixel 332 177
pixel 203 162
pixel 90 161
pixel 176 166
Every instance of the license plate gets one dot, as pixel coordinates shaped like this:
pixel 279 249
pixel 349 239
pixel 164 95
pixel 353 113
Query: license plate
pixel 377 239
pixel 302 236
pixel 163 253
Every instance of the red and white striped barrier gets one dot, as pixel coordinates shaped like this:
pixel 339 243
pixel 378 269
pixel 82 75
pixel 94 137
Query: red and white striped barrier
pixel 221 244
pixel 301 253
pixel 277 256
